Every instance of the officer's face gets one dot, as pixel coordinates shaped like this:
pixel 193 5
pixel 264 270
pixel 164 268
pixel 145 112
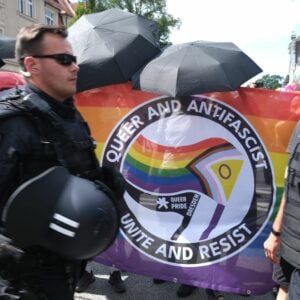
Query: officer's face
pixel 55 76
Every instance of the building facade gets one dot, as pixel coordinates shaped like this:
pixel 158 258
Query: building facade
pixel 15 14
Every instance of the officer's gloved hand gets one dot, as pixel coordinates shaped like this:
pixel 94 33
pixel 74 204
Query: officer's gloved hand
pixel 114 180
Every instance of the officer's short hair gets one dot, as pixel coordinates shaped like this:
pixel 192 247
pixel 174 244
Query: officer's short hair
pixel 29 40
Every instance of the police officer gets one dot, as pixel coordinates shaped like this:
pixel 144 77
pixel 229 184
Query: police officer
pixel 41 129
pixel 282 246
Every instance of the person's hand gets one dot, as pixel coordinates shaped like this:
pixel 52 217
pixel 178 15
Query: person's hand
pixel 271 246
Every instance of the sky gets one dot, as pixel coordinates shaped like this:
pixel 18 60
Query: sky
pixel 261 28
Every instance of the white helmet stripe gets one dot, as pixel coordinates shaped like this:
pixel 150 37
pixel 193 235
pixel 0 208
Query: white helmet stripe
pixel 66 220
pixel 62 230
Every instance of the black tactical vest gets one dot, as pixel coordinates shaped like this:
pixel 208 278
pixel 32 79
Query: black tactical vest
pixel 290 232
pixel 63 141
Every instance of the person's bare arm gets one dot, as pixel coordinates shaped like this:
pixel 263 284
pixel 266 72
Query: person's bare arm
pixel 272 243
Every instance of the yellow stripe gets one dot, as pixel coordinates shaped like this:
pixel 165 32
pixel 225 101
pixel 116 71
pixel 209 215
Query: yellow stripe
pixel 99 150
pixel 279 162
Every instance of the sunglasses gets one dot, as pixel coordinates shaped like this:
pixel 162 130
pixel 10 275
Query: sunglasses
pixel 63 59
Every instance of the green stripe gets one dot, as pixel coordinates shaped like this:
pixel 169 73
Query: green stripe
pixel 279 193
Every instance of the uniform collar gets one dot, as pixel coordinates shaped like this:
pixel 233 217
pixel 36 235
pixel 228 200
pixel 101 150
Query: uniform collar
pixel 64 109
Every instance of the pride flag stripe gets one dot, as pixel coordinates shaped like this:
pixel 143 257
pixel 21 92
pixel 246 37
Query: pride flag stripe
pixel 102 120
pixel 247 101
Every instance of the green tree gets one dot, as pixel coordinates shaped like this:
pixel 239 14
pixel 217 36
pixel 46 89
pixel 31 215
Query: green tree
pixel 268 81
pixel 151 9
pixel 286 80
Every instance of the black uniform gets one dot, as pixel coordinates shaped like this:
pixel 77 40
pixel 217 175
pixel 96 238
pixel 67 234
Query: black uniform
pixel 290 234
pixel 36 133
pixel 290 237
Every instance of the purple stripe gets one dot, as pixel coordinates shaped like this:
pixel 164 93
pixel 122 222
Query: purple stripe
pixel 214 221
pixel 238 274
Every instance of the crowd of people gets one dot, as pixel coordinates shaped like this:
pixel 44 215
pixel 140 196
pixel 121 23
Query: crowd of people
pixel 29 145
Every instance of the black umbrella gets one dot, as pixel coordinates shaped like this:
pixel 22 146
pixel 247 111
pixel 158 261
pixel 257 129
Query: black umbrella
pixel 111 46
pixel 7 47
pixel 196 67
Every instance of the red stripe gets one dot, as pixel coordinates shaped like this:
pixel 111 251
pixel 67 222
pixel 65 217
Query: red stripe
pixel 117 95
pixel 209 143
pixel 248 101
pixel 263 103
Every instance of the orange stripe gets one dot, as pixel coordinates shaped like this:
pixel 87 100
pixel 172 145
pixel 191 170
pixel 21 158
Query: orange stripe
pixel 102 120
pixel 274 133
pixel 117 95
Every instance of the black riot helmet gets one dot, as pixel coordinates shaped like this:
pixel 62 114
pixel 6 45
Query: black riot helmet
pixel 68 215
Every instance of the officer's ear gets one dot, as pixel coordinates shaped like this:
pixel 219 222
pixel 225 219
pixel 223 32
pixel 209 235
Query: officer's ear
pixel 31 65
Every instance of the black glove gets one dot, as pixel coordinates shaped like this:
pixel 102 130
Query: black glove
pixel 113 179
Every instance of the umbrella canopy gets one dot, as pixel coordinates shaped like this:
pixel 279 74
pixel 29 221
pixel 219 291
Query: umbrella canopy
pixel 111 46
pixel 7 49
pixel 196 67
